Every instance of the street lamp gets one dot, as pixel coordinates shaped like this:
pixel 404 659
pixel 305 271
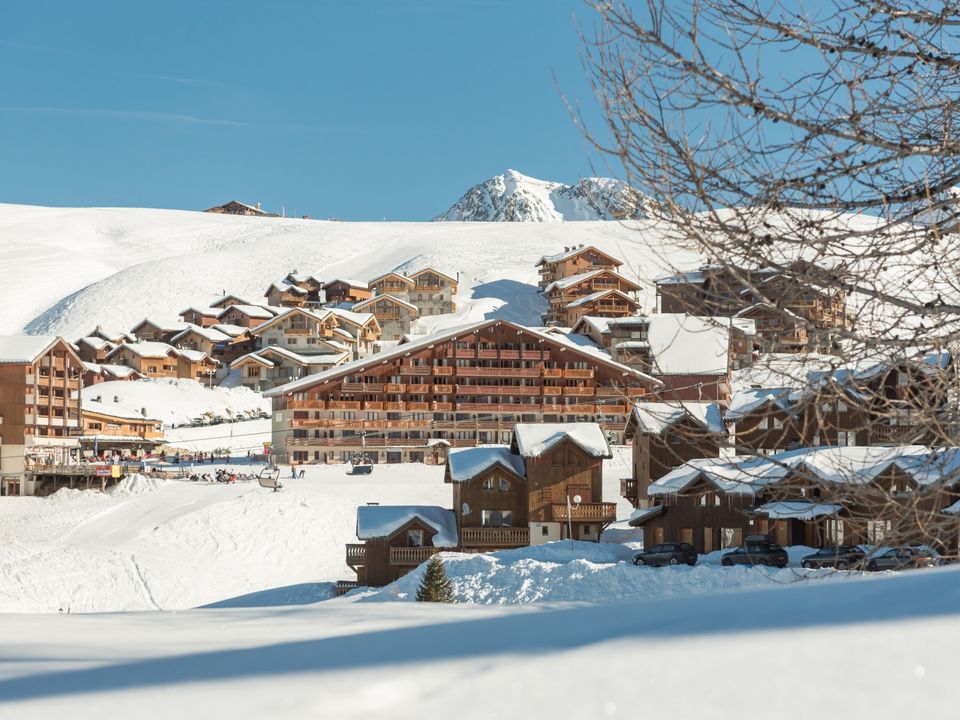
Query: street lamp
pixel 570 508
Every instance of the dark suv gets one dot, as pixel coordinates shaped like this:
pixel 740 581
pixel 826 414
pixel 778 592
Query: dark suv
pixel 904 558
pixel 841 557
pixel 756 550
pixel 667 554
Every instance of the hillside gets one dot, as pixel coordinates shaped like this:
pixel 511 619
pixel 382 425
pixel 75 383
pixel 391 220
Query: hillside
pixel 514 197
pixel 74 268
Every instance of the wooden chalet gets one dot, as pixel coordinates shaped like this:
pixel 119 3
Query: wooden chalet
pixel 464 387
pixel 204 317
pixel 359 329
pixel 116 337
pixel 205 339
pixel 94 373
pixel 393 314
pixel 395 539
pixel 573 261
pixel 312 284
pixel 151 331
pixel 433 292
pixel 346 291
pixel 196 365
pixel 150 359
pixel 815 497
pixel 603 303
pixel 247 316
pixel 392 283
pixel 93 349
pixel 665 435
pixel 283 294
pixel 561 294
pixel 234 207
pixel 273 365
pixel 778 330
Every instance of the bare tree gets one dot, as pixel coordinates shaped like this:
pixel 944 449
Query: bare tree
pixel 808 155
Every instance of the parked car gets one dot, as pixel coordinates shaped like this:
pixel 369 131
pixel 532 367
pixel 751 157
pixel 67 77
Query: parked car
pixel 756 550
pixel 667 554
pixel 904 558
pixel 841 557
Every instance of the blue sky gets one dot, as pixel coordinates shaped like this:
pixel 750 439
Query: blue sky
pixel 358 109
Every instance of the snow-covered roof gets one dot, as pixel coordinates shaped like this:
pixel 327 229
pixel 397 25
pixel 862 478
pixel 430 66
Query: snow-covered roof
pixel 797 510
pixel 421 271
pixel 392 273
pixel 226 300
pixel 386 296
pixel 97 343
pixel 534 439
pixel 145 349
pixel 466 463
pixel 641 515
pixel 207 333
pixel 633 345
pixel 691 277
pixel 602 294
pixel 196 356
pixel 24 348
pixel 427 340
pixel 351 283
pixel 254 311
pixel 115 410
pixel 163 327
pixel 733 476
pixel 205 311
pixel 380 521
pixel 653 418
pixel 682 344
pixel 745 402
pixel 572 280
pixel 318 314
pixel 230 330
pixel 285 287
pixel 357 318
pixel 767 306
pixel 296 277
pixel 118 371
pixel 318 359
pixel 952 509
pixel 573 252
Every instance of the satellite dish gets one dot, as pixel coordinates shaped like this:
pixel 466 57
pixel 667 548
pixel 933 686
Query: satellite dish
pixel 577 499
pixel 466 509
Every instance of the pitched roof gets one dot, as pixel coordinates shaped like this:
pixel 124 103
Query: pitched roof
pixel 572 280
pixel 683 344
pixel 413 275
pixel 97 343
pixel 599 295
pixel 388 297
pixel 116 410
pixel 351 283
pixel 379 521
pixel 654 418
pixel 228 300
pixel 231 330
pixel 163 327
pixel 534 439
pixel 428 340
pixel 466 463
pixel 573 252
pixel 319 314
pixel 397 275
pixel 285 287
pixel 207 333
pixel 254 311
pixel 797 510
pixel 146 349
pixel 357 318
pixel 16 349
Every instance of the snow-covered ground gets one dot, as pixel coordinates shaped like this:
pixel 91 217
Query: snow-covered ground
pixel 169 260
pixel 871 648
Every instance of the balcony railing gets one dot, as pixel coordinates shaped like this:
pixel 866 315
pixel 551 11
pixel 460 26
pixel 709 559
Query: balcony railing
pixel 552 372
pixel 495 537
pixel 443 370
pixel 411 555
pixel 585 511
pixel 356 554
pixel 578 374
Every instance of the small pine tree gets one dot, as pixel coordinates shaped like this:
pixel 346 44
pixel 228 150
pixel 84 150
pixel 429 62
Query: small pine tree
pixel 435 586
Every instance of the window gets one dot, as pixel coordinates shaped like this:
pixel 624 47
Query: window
pixel 496 518
pixel 488 484
pixel 544 530
pixel 415 538
pixel 565 458
pixel 504 485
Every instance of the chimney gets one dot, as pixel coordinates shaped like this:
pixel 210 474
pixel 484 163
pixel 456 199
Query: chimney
pixel 143 411
pixel 99 398
pixel 116 398
pixel 258 206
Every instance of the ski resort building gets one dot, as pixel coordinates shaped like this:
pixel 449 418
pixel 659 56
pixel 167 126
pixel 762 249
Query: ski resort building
pixel 393 314
pixel 433 292
pixel 601 293
pixel 235 207
pixel 573 261
pixel 461 388
pixel 112 430
pixel 392 283
pixel 93 349
pixel 152 331
pixel 346 291
pixel 40 378
pixel 247 316
pixel 202 316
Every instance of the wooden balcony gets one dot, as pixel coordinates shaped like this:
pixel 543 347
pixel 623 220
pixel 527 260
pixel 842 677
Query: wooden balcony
pixel 552 373
pixel 552 390
pixel 578 374
pixel 495 537
pixel 373 406
pixel 583 392
pixel 395 387
pixel 487 353
pixel 531 355
pixel 443 406
pixel 394 406
pixel 418 406
pixel 343 405
pixel 497 390
pixel 465 353
pixel 628 489
pixel 442 389
pixel 411 555
pixel 417 370
pixel 356 554
pixel 418 389
pixel 352 387
pixel 443 370
pixel 601 512
pixel 894 434
pixel 498 372
pixel 510 354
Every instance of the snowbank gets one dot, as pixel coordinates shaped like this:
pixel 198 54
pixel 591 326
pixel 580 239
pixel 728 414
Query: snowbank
pixel 136 485
pixel 177 401
pixel 590 572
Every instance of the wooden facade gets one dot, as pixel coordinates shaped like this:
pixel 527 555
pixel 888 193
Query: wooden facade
pixel 393 314
pixel 466 387
pixel 235 207
pixel 40 380
pixel 346 291
pixel 561 293
pixel 246 316
pixel 202 317
pixel 109 432
pixel 573 261
pixel 391 283
pixel 433 292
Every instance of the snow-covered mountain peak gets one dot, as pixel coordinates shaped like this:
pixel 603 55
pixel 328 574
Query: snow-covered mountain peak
pixel 515 197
